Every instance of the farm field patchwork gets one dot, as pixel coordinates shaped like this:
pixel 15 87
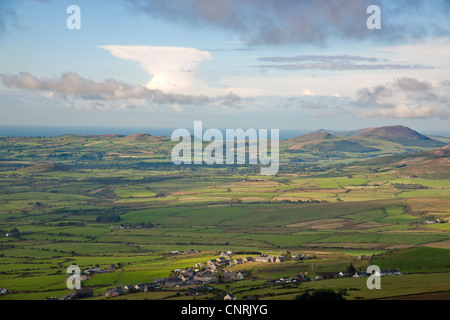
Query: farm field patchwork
pixel 149 218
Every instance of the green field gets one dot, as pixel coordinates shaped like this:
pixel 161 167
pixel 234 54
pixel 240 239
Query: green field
pixel 97 201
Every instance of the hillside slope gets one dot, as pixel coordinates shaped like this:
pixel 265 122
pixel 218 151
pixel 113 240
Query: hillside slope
pixel 402 135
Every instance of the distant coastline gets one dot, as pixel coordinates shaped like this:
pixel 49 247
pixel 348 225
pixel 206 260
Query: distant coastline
pixel 54 131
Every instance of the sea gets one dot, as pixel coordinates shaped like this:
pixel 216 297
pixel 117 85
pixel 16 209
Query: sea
pixel 54 131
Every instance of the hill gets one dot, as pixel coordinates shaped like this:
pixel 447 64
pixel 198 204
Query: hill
pixel 430 165
pixel 313 136
pixel 46 167
pixel 402 135
pixel 327 141
pixel 444 151
pixel 322 141
pixel 104 136
pixel 343 146
pixel 353 133
pixel 359 144
pixel 434 164
pixel 137 137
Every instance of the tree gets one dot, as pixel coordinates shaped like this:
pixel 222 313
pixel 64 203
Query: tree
pixel 351 269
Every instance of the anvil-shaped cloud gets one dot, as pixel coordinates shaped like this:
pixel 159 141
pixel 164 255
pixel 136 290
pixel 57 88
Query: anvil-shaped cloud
pixel 173 69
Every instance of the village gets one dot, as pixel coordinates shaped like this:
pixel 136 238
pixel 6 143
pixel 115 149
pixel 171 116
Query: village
pixel 197 279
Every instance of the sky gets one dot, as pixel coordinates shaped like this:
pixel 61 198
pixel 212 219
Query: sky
pixel 285 64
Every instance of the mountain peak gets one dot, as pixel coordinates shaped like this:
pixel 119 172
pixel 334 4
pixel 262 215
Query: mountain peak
pixel 403 135
pixel 393 131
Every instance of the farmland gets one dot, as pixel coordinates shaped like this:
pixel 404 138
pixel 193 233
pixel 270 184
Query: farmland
pixel 98 201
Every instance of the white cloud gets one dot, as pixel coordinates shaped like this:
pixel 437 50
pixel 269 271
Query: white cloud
pixel 308 92
pixel 73 85
pixel 172 69
pixel 403 98
pixel 48 95
pixel 405 112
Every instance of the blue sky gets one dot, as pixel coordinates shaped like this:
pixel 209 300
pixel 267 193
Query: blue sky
pixel 289 64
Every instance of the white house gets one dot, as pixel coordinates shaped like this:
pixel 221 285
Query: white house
pixel 229 296
pixel 360 274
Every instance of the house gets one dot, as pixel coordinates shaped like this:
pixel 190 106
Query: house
pixel 186 275
pixel 343 274
pixel 118 289
pixel 280 259
pixel 249 259
pixel 187 272
pixel 111 268
pixel 299 256
pixel 112 293
pixel 11 234
pixel 160 281
pixel 303 277
pixel 264 258
pixel 238 261
pixel 84 277
pixel 190 251
pixel 222 260
pixel 3 291
pixel 93 271
pixel 139 286
pixel 148 287
pixel 229 275
pixel 206 278
pixel 360 274
pixel 214 266
pixel 172 282
pixel 390 272
pixel 129 287
pixel 229 296
pixel 211 262
pixel 185 278
pixel 241 275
